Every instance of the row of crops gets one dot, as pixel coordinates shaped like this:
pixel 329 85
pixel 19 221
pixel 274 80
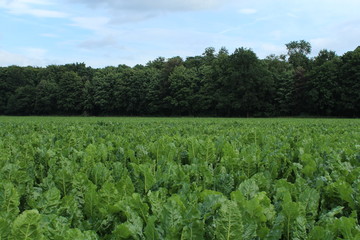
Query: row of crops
pixel 154 178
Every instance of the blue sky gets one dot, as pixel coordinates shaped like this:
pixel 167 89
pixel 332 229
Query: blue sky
pixel 112 32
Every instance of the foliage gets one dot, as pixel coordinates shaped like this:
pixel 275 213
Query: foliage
pixel 216 83
pixel 156 178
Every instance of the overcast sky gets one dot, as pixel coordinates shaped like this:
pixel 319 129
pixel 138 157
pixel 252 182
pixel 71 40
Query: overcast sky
pixel 112 32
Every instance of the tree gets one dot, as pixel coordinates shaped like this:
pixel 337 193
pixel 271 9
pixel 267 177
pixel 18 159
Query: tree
pixel 323 84
pixel 102 90
pixel 22 101
pixel 297 52
pixel 349 84
pixel 164 84
pixel 183 89
pixel 282 77
pixel 158 63
pixel 249 84
pixel 46 97
pixel 71 94
pixel 11 78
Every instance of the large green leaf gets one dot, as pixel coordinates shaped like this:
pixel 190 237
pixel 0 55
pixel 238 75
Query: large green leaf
pixel 172 221
pixel 150 230
pixel 27 226
pixel 5 228
pixel 9 201
pixel 229 223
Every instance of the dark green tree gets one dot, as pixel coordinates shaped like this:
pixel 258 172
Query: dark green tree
pixel 323 84
pixel 46 97
pixel 22 101
pixel 102 92
pixel 297 57
pixel 297 53
pixel 249 85
pixel 282 76
pixel 183 90
pixel 164 84
pixel 348 93
pixel 71 94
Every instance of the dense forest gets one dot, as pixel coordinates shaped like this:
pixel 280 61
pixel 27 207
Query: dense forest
pixel 216 83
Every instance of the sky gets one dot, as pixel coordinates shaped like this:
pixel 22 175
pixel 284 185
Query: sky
pixel 103 33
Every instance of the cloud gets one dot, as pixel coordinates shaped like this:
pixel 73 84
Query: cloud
pixel 125 11
pixel 49 35
pixel 97 24
pixel 154 5
pixel 36 53
pixel 108 41
pixel 31 7
pixel 292 15
pixel 248 11
pixel 8 58
pixel 268 48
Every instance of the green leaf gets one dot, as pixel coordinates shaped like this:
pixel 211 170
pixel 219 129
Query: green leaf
pixel 55 226
pixel 9 201
pixel 319 232
pixel 212 201
pixel 157 201
pixel 310 198
pixel 149 179
pixel 229 222
pixel 122 231
pixel 49 201
pixel 299 228
pixel 330 216
pixel 125 186
pixel 91 206
pixel 278 228
pixel 26 226
pixel 108 196
pixel 63 179
pixel 133 227
pixel 79 235
pixel 150 231
pixel 70 208
pixel 99 174
pixel 172 217
pixel 5 228
pixel 139 206
pixel 348 227
pixel 193 231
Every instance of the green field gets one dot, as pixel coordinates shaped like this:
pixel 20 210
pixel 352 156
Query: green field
pixel 179 178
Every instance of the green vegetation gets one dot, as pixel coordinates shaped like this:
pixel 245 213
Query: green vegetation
pixel 179 178
pixel 217 83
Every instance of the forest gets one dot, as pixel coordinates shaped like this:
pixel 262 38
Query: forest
pixel 216 83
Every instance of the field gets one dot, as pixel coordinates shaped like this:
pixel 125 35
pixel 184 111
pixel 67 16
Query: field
pixel 179 178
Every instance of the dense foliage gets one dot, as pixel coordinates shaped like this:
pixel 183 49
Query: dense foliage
pixel 214 84
pixel 95 178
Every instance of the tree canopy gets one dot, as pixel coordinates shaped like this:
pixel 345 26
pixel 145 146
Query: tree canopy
pixel 216 83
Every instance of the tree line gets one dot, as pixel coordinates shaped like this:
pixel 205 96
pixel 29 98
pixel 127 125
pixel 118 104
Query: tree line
pixel 215 83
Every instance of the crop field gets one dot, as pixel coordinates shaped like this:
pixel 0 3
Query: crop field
pixel 179 178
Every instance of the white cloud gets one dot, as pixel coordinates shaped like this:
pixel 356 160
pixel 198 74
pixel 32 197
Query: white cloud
pixel 97 24
pixel 292 15
pixel 49 35
pixel 125 11
pixel 36 53
pixel 157 5
pixel 8 58
pixel 276 34
pixel 268 48
pixel 108 41
pixel 248 11
pixel 31 7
